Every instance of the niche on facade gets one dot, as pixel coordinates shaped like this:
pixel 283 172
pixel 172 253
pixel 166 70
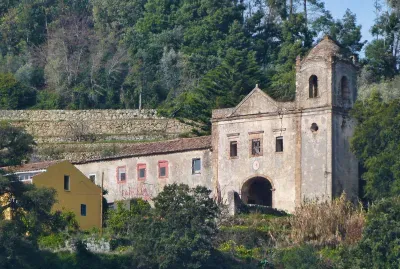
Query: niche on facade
pixel 345 89
pixel 258 191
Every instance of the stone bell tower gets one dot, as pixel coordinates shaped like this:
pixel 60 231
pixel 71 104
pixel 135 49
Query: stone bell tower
pixel 325 92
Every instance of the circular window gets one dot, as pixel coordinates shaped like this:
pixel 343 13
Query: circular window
pixel 314 127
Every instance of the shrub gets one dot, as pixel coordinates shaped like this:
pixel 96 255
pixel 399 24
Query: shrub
pixel 327 223
pixel 301 257
pixel 380 245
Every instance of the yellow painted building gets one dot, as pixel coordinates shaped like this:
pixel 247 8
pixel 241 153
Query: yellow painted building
pixel 75 192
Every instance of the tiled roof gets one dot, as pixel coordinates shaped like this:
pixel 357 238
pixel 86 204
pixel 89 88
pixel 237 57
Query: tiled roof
pixel 161 147
pixel 29 167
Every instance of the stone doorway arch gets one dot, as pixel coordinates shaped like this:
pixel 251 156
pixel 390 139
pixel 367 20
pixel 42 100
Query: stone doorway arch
pixel 257 190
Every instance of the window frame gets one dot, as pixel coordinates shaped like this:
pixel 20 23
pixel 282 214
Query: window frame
pixel 83 210
pixel 119 181
pixel 196 172
pixel 281 145
pixel 68 181
pixel 163 164
pixel 231 143
pixel 140 166
pixel 254 139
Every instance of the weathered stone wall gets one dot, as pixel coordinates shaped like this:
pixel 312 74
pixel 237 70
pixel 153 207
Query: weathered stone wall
pixel 54 126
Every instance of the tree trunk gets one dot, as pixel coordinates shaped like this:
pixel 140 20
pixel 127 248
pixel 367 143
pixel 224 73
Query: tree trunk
pixel 305 12
pixel 291 9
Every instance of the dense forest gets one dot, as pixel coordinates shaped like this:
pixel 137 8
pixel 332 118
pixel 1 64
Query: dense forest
pixel 182 57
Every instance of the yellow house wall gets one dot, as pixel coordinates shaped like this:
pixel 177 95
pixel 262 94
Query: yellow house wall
pixel 82 191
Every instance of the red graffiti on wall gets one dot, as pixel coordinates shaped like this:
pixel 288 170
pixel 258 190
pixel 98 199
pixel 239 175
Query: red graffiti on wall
pixel 140 191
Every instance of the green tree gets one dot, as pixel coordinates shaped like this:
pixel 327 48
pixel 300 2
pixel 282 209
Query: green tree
pixel 176 233
pixel 13 94
pixel 379 247
pixel 15 145
pixel 376 145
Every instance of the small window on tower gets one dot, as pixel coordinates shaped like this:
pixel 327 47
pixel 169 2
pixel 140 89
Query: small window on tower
pixel 313 86
pixel 256 147
pixel 233 149
pixel 344 85
pixel 279 144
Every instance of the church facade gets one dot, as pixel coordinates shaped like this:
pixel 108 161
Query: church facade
pixel 280 154
pixel 271 153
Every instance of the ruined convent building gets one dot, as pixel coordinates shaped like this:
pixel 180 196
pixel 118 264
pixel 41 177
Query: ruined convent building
pixel 271 153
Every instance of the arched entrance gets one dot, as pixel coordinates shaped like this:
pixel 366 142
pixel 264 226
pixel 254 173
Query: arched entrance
pixel 257 190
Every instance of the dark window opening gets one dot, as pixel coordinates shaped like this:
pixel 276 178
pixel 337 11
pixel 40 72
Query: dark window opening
pixel 83 210
pixel 314 127
pixel 344 85
pixel 121 174
pixel 142 173
pixel 196 166
pixel 66 183
pixel 313 86
pixel 163 169
pixel 92 178
pixel 233 149
pixel 279 144
pixel 256 147
pixel 163 172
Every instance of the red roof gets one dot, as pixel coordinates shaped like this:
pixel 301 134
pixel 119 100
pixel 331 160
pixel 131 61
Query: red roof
pixel 161 147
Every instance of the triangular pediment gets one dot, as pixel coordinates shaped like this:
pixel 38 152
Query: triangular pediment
pixel 256 102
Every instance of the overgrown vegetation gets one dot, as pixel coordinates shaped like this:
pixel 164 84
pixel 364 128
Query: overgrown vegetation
pixel 182 57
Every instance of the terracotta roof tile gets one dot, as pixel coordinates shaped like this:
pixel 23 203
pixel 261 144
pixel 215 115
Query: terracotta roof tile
pixel 161 147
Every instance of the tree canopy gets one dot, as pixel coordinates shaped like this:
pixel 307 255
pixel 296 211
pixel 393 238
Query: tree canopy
pixel 182 57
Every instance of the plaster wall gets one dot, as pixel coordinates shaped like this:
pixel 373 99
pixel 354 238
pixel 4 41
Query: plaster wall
pixel 277 167
pixel 82 191
pixel 179 171
pixel 316 152
pixel 345 164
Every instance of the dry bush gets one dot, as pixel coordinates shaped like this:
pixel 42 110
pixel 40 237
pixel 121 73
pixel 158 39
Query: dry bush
pixel 328 223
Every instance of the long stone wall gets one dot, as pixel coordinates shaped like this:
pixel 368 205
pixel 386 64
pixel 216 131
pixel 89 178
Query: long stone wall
pixel 55 126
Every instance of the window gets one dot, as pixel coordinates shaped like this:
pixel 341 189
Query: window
pixel 92 177
pixel 141 170
pixel 196 166
pixel 121 174
pixel 279 144
pixel 344 86
pixel 233 149
pixel 83 210
pixel 256 147
pixel 313 86
pixel 162 169
pixel 66 183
